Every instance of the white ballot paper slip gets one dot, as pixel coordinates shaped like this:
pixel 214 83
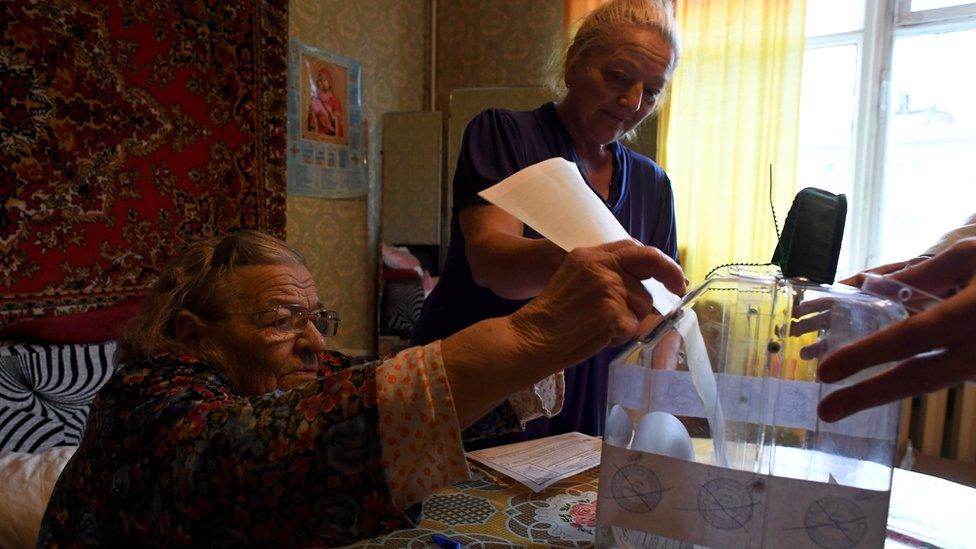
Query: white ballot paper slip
pixel 552 198
pixel 539 463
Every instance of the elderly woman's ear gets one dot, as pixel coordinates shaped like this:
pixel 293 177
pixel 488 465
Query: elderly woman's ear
pixel 568 62
pixel 188 330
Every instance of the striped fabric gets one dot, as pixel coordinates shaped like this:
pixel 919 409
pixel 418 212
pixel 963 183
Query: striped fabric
pixel 45 391
pixel 402 303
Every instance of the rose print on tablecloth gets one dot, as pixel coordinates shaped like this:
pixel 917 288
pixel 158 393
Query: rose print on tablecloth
pixel 569 516
pixel 581 514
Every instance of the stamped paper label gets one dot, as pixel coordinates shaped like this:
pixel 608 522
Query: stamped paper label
pixel 720 507
pixel 758 400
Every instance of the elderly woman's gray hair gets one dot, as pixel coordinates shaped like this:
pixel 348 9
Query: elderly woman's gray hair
pixel 195 281
pixel 604 26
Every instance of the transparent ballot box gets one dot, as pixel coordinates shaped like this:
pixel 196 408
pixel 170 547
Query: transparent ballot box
pixel 712 436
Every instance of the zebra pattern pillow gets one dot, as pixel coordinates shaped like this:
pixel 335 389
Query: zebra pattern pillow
pixel 402 302
pixel 45 391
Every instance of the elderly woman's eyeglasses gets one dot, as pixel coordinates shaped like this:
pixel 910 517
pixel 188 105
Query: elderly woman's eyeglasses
pixel 293 319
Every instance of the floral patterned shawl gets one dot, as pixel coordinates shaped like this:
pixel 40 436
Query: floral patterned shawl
pixel 172 455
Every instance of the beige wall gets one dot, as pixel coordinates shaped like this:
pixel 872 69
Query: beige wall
pixel 339 237
pixel 489 43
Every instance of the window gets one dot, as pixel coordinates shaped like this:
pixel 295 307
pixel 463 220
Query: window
pixel 888 117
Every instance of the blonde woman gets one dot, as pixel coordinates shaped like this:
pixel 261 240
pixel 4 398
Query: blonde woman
pixel 615 73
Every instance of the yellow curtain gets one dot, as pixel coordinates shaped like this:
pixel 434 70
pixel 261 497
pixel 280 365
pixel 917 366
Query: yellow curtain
pixel 733 111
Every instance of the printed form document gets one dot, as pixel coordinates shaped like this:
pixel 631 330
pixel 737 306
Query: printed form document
pixel 539 463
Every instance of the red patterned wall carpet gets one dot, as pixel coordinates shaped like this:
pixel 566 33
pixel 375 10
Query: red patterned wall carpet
pixel 128 128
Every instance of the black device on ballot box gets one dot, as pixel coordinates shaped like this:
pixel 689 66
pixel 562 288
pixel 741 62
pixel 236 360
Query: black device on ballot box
pixel 809 246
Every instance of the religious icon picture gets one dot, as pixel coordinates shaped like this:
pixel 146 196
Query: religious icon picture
pixel 325 123
pixel 324 100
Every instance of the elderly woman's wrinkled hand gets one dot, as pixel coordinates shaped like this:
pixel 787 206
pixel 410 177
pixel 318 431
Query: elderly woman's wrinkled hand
pixel 596 299
pixel 936 348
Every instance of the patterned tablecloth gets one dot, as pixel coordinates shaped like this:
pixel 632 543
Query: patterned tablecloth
pixel 492 510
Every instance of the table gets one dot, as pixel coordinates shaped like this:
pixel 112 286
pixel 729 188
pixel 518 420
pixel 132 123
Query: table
pixel 492 511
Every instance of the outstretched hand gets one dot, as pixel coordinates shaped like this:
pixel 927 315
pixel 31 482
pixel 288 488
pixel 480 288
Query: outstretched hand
pixel 936 348
pixel 596 299
pixel 593 300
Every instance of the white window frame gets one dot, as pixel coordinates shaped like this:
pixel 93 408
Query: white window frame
pixel 883 21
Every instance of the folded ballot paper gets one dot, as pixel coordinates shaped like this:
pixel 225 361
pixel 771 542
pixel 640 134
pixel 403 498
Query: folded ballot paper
pixel 552 198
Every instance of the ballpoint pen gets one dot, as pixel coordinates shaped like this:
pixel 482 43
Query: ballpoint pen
pixel 446 542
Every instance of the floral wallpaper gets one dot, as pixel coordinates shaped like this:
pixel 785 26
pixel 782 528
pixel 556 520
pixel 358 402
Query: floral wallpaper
pixel 488 43
pixel 340 237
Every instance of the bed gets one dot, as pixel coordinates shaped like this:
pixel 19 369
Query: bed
pixel 404 284
pixel 50 370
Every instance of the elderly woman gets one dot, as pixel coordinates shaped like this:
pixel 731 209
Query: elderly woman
pixel 615 72
pixel 227 422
